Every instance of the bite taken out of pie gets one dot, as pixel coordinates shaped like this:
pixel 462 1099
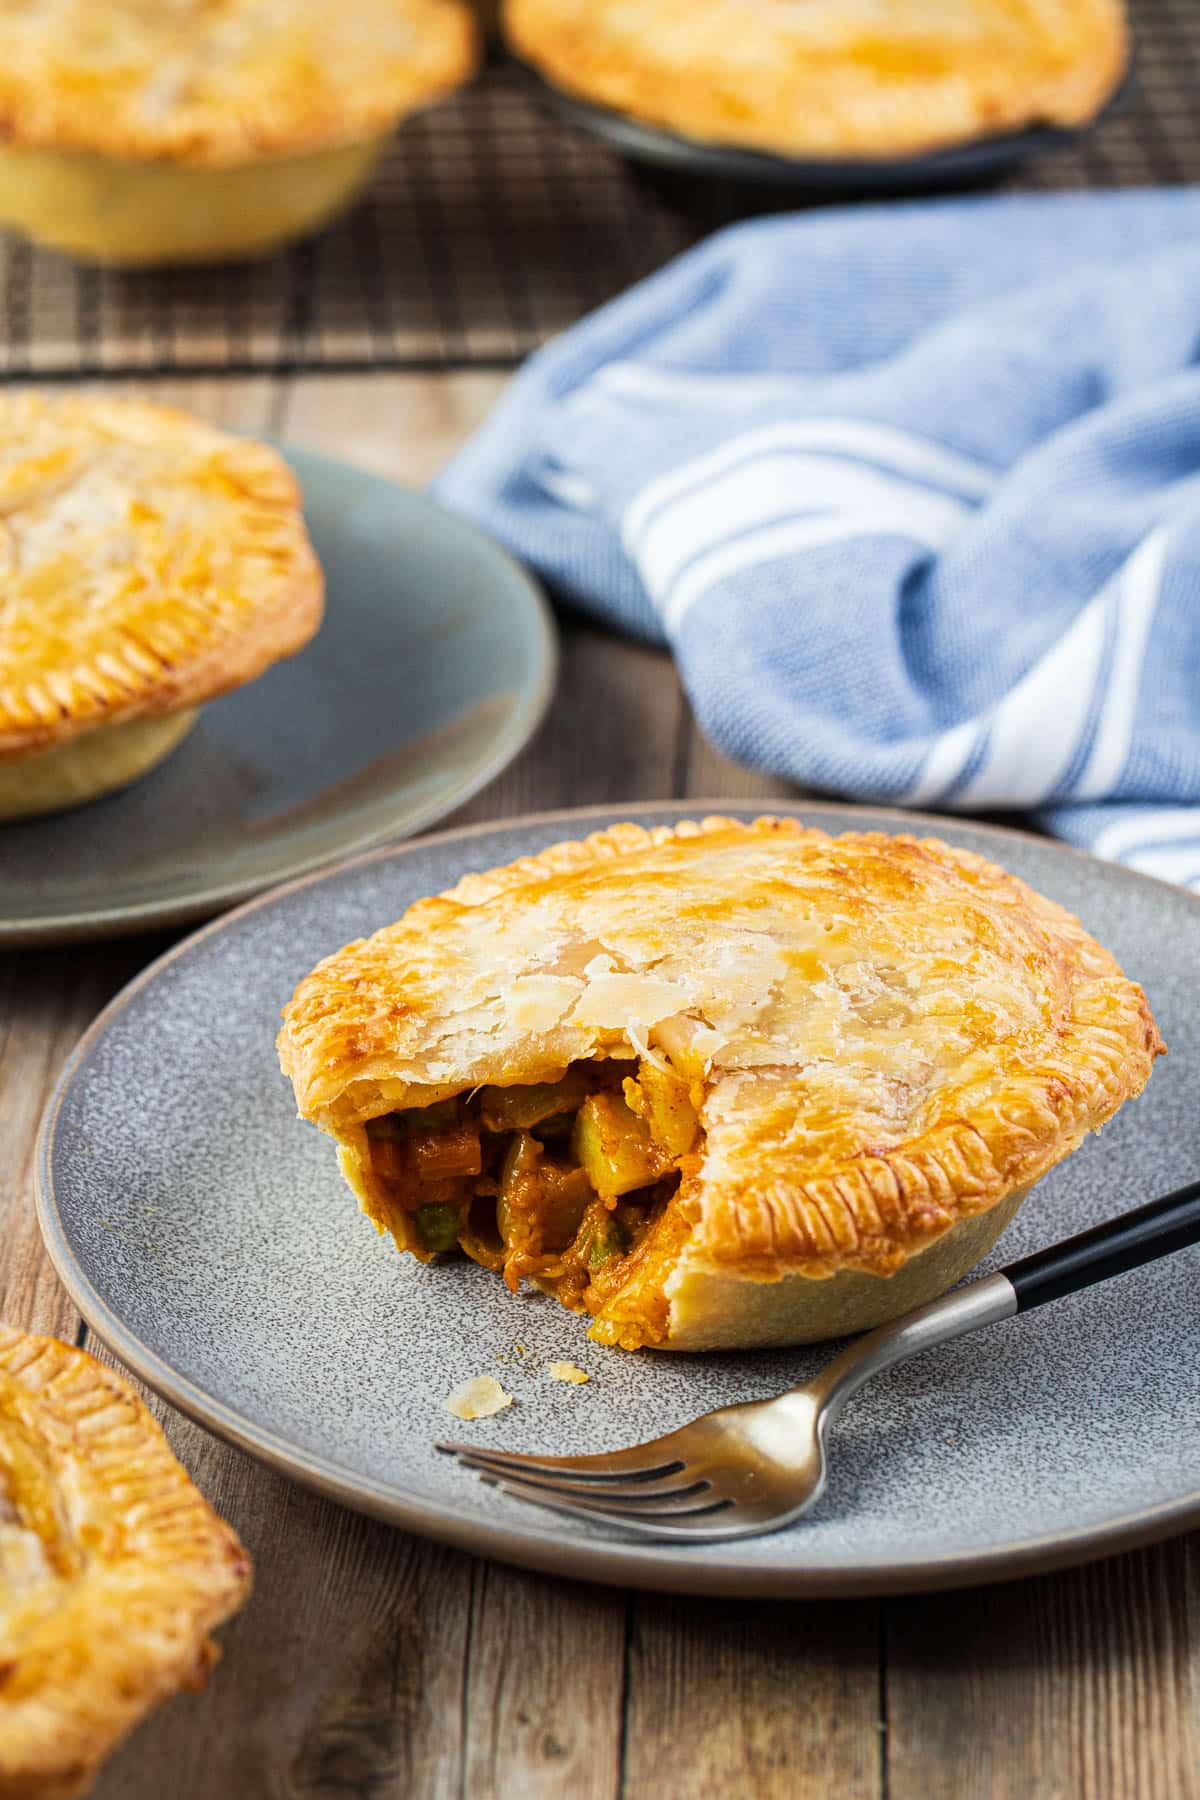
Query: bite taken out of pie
pixel 113 1568
pixel 717 1084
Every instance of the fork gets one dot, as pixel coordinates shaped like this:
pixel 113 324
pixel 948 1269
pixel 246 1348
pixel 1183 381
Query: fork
pixel 757 1465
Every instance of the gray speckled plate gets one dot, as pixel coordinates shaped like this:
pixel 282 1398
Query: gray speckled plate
pixel 207 1237
pixel 432 669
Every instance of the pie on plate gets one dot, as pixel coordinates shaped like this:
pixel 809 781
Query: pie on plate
pixel 830 78
pixel 113 1568
pixel 717 1085
pixel 138 132
pixel 147 564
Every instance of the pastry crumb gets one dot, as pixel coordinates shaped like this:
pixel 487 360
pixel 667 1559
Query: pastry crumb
pixel 566 1371
pixel 479 1398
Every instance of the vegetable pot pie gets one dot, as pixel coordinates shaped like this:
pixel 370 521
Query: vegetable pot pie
pixel 113 1568
pixel 817 78
pixel 718 1085
pixel 137 131
pixel 147 564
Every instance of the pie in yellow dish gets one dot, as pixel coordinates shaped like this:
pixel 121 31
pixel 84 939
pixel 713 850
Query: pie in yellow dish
pixel 147 564
pixel 113 1568
pixel 151 131
pixel 717 1084
pixel 830 78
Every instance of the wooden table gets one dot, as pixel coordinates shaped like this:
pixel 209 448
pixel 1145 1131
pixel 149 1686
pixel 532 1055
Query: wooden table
pixel 374 1665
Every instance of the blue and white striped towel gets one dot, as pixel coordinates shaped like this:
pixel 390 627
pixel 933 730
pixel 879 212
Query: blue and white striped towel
pixel 913 492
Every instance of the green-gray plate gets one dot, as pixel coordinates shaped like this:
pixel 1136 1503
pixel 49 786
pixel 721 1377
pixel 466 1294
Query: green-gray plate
pixel 431 671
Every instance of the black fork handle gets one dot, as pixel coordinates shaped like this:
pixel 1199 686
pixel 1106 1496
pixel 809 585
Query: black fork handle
pixel 1124 1243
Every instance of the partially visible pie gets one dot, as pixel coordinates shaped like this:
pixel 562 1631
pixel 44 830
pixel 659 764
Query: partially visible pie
pixel 142 131
pixel 717 1084
pixel 830 78
pixel 113 1568
pixel 147 564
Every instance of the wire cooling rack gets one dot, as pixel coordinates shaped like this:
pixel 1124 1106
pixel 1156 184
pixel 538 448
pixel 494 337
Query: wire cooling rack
pixel 490 227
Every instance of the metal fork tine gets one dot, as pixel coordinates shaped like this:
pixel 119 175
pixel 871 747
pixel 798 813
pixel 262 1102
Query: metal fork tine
pixel 697 1524
pixel 664 1506
pixel 641 1462
pixel 674 1487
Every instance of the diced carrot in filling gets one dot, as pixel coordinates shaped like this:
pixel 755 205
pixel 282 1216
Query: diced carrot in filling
pixel 561 1183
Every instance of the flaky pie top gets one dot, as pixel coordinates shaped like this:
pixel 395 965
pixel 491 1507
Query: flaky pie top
pixel 113 1568
pixel 222 81
pixel 147 563
pixel 890 1033
pixel 831 77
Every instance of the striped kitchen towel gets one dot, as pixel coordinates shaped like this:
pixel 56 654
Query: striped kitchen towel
pixel 913 493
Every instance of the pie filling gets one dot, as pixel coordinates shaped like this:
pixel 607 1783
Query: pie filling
pixel 579 1185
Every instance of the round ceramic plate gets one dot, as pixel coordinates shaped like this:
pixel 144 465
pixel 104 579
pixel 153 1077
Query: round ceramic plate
pixel 207 1237
pixel 819 177
pixel 432 669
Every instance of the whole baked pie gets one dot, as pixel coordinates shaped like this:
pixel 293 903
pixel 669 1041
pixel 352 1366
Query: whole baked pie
pixel 144 131
pixel 113 1568
pixel 717 1085
pixel 830 78
pixel 147 563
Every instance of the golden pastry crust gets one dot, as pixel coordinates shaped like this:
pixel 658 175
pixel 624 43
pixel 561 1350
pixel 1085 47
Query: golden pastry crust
pixel 113 1568
pixel 859 78
pixel 713 1307
pixel 147 563
pixel 226 84
pixel 889 1035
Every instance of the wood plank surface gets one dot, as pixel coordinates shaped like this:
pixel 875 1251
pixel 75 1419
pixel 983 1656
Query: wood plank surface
pixel 375 1665
pixel 747 1698
pixel 525 1648
pixel 47 998
pixel 1080 1683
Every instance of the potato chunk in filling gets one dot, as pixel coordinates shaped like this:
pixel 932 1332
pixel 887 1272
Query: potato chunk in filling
pixel 561 1183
